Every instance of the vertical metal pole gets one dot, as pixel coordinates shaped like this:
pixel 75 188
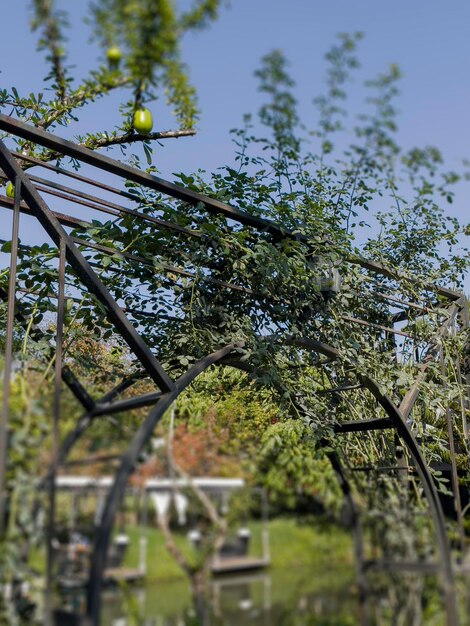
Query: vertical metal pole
pixel 453 464
pixel 55 428
pixel 4 417
pixel 465 322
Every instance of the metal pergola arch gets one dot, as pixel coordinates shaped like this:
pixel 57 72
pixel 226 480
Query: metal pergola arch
pixel 54 224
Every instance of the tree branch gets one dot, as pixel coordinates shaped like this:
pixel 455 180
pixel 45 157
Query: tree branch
pixel 109 140
pixel 113 139
pixel 172 548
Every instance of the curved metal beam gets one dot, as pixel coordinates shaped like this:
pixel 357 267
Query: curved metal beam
pixel 406 435
pixel 344 486
pixel 84 422
pixel 129 459
pixel 146 430
pixel 447 575
pixel 398 421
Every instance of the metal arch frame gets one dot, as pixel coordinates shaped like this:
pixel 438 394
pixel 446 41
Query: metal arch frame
pixel 397 419
pixel 86 419
pixel 83 269
pixel 130 458
pixel 68 376
pixel 103 162
pixel 170 389
pixel 220 357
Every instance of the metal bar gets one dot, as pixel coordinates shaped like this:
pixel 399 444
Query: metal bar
pixel 68 376
pixel 77 388
pixel 85 420
pixel 167 268
pixel 386 329
pixel 378 423
pixel 85 272
pixel 412 394
pixel 379 268
pixel 127 404
pixel 65 220
pixel 104 206
pixel 103 458
pixel 74 175
pixel 453 463
pixel 55 430
pixel 464 401
pixel 65 147
pixel 68 148
pixel 384 468
pixel 4 418
pixel 356 521
pixel 423 567
pixel 338 389
pixel 74 199
pixel 466 398
pixel 401 303
pixel 78 300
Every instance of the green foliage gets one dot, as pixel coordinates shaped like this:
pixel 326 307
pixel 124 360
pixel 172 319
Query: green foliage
pixel 292 467
pixel 200 283
pixel 27 436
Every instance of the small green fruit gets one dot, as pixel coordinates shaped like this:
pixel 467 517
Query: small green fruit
pixel 114 55
pixel 10 190
pixel 143 122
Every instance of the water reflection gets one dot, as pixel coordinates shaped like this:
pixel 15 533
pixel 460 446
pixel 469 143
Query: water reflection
pixel 277 598
pixel 284 598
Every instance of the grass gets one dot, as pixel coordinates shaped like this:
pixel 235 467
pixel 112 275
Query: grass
pixel 292 545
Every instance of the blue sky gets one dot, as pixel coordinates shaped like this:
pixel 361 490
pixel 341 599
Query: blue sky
pixel 429 40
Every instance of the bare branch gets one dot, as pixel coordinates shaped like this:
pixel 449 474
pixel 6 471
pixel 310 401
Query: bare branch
pixel 110 140
pixel 113 139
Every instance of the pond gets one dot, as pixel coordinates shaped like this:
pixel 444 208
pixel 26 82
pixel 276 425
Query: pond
pixel 275 597
pixel 286 597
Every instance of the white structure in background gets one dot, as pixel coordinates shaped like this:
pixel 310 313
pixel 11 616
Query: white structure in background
pixel 233 555
pixel 164 491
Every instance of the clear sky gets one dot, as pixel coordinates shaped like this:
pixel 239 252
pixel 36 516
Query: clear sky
pixel 428 39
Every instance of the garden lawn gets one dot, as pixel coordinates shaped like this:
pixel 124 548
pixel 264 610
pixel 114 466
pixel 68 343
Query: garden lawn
pixel 293 544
